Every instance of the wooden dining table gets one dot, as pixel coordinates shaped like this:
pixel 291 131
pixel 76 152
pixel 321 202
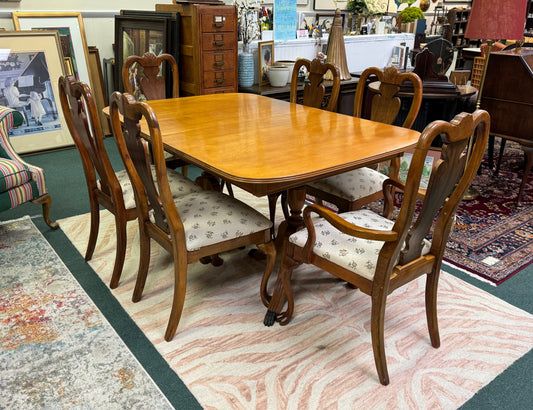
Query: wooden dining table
pixel 267 146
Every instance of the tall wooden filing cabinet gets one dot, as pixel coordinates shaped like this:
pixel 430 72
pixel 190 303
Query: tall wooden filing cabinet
pixel 208 49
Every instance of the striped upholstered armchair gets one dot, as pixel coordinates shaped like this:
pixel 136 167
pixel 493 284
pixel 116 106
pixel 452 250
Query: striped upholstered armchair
pixel 20 182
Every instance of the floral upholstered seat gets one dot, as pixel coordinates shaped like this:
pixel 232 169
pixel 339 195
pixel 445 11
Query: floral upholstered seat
pixel 20 182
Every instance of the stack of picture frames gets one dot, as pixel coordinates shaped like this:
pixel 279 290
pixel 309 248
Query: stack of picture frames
pixel 45 46
pixel 141 31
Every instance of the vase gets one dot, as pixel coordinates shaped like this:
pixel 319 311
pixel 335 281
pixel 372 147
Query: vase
pixel 246 69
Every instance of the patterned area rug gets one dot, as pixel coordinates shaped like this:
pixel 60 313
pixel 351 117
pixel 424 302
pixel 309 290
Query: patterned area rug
pixel 493 237
pixel 323 358
pixel 56 349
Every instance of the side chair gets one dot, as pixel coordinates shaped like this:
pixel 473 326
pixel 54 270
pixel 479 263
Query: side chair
pixel 107 188
pixel 377 255
pixel 352 190
pixel 191 227
pixel 20 182
pixel 142 77
pixel 313 96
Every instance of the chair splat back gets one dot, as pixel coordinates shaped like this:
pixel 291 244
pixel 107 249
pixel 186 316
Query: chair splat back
pixel 141 76
pixel 386 105
pixel 314 90
pixel 132 145
pixel 81 115
pixel 450 177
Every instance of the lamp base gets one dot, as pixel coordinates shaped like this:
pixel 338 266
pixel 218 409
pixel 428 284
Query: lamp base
pixel 470 194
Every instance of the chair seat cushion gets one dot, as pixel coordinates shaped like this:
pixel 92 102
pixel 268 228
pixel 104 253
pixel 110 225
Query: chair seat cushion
pixel 179 185
pixel 13 174
pixel 355 254
pixel 352 185
pixel 211 217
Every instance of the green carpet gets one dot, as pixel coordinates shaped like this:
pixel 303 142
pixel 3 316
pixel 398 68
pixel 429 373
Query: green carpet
pixel 66 184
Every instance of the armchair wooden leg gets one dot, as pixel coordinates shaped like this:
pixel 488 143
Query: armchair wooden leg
pixel 180 286
pixel 432 283
pixel 46 202
pixel 120 255
pixel 95 226
pixel 377 331
pixel 144 262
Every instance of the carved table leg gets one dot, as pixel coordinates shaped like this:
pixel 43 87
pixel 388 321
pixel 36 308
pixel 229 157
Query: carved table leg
pixel 296 201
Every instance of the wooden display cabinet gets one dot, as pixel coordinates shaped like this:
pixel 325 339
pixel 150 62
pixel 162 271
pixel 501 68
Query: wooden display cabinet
pixel 209 48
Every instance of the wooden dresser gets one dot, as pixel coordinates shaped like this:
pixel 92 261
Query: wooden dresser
pixel 208 50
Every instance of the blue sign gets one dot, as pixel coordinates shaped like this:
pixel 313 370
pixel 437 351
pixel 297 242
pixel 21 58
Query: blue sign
pixel 285 19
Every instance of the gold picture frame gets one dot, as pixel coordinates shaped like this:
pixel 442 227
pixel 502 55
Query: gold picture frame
pixel 36 63
pixel 72 36
pixel 266 59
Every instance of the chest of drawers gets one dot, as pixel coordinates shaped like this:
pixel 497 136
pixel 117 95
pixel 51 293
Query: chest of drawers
pixel 208 49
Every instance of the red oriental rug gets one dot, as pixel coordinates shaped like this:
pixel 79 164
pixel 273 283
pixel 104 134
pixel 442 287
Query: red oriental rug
pixel 493 237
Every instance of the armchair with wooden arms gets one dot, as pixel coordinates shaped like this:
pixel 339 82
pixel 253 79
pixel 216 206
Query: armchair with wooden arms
pixel 352 190
pixel 142 78
pixel 377 255
pixel 107 188
pixel 20 182
pixel 191 227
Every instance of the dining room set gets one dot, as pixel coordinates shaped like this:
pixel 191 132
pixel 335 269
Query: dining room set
pixel 320 167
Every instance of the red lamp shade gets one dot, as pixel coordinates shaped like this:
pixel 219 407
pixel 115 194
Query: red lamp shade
pixel 497 20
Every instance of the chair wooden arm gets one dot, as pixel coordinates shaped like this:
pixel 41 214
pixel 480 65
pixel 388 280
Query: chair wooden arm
pixel 342 225
pixel 388 195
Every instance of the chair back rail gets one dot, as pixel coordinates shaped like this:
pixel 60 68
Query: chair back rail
pixel 314 89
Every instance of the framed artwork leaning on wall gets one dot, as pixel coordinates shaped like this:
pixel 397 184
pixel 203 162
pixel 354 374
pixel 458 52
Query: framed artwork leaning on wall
pixel 31 63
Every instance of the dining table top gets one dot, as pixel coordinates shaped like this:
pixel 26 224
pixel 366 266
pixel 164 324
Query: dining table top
pixel 265 145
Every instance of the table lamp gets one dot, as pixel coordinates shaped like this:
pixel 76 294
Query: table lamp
pixel 493 20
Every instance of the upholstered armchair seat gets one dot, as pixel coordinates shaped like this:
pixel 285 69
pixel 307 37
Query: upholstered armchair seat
pixel 20 182
pixel 355 254
pixel 352 185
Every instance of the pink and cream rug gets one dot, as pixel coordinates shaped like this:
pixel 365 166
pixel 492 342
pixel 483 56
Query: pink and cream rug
pixel 323 358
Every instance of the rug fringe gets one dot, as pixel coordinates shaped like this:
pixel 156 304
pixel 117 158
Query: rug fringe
pixel 475 276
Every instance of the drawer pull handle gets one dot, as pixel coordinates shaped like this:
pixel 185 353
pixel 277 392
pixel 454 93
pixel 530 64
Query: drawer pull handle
pixel 218 21
pixel 218 43
pixel 219 80
pixel 218 64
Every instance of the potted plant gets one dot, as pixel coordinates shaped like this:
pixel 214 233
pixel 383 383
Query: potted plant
pixel 408 16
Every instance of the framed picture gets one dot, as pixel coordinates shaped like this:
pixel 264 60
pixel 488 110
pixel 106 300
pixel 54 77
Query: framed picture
pixel 266 57
pixel 136 35
pixel 31 63
pixel 71 31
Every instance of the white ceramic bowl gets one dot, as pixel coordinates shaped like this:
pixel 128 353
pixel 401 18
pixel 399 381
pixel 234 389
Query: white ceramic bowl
pixel 278 75
pixel 287 63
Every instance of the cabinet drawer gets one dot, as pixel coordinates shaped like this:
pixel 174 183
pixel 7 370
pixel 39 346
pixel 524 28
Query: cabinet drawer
pixel 218 41
pixel 218 61
pixel 219 78
pixel 220 90
pixel 217 20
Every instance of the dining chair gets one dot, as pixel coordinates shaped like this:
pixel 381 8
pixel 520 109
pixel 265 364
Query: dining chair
pixel 377 255
pixel 110 189
pixel 190 227
pixel 314 91
pixel 352 190
pixel 142 77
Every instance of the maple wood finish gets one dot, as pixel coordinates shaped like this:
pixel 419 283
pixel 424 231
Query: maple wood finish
pixel 153 85
pixel 80 113
pixel 208 49
pixel 384 107
pixel 401 258
pixel 166 226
